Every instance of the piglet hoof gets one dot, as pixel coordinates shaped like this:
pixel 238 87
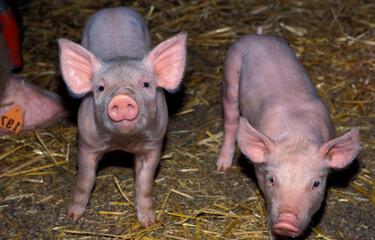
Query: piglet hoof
pixel 147 219
pixel 74 212
pixel 221 169
pixel 223 165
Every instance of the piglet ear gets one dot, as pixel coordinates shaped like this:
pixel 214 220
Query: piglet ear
pixel 252 143
pixel 78 66
pixel 342 150
pixel 168 60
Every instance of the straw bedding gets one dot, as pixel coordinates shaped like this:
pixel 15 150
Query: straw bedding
pixel 334 41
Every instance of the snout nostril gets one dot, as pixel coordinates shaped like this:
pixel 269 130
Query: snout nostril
pixel 287 224
pixel 123 107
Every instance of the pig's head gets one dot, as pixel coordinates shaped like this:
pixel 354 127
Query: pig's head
pixel 125 91
pixel 293 178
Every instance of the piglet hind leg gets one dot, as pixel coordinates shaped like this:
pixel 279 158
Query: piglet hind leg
pixel 145 167
pixel 87 166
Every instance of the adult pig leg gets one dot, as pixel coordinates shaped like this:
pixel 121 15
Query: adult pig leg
pixel 87 166
pixel 145 167
pixel 40 107
pixel 231 75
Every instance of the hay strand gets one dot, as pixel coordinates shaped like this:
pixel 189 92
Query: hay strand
pixel 334 41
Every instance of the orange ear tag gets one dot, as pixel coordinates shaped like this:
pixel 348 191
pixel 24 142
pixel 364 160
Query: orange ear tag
pixel 12 120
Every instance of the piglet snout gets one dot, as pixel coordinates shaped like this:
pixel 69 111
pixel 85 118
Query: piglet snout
pixel 122 107
pixel 287 224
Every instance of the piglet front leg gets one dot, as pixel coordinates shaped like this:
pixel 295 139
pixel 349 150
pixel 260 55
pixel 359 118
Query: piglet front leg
pixel 227 150
pixel 87 166
pixel 231 112
pixel 145 167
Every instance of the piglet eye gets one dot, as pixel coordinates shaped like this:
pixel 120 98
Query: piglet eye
pixel 145 85
pixel 101 88
pixel 271 181
pixel 316 184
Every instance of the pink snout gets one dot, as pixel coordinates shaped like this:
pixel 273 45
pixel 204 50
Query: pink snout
pixel 287 224
pixel 122 107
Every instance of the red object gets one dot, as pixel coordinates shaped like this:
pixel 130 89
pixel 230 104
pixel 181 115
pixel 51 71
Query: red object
pixel 9 30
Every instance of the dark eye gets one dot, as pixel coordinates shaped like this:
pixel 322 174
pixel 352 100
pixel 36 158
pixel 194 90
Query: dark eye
pixel 101 88
pixel 316 184
pixel 270 181
pixel 145 85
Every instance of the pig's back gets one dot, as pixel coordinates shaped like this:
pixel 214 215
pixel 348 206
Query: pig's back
pixel 116 32
pixel 269 66
pixel 274 87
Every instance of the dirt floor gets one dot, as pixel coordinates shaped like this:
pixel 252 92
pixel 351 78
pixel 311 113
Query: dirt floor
pixel 335 42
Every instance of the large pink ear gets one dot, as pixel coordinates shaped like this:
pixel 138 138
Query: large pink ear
pixel 342 150
pixel 168 61
pixel 77 66
pixel 252 143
